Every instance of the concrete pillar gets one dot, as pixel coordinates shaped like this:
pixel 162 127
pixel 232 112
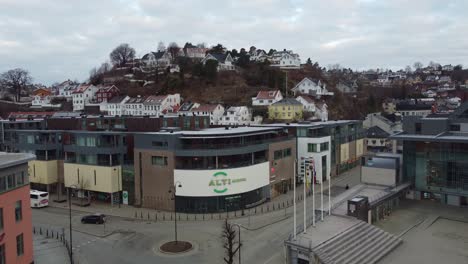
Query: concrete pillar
pixel 112 199
pixel 110 159
pixel 369 217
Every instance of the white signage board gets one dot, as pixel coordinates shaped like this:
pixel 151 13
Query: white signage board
pixel 124 197
pixel 221 182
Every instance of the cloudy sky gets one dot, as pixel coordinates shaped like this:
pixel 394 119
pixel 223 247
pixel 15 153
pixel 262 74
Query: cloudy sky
pixel 64 39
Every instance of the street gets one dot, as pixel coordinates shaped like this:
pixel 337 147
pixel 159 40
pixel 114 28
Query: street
pixel 126 240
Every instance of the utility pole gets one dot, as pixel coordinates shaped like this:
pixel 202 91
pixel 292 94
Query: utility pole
pixel 313 192
pixel 321 195
pixel 294 199
pixel 305 200
pixel 329 195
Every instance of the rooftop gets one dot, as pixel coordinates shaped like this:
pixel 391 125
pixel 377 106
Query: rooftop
pixel 12 159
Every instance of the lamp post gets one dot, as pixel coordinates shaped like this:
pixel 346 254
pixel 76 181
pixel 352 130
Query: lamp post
pixel 70 219
pixel 176 184
pixel 239 227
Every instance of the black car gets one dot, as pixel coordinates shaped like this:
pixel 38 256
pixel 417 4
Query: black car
pixel 93 219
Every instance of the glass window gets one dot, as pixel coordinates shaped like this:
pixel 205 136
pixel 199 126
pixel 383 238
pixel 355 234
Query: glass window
pixel 19 245
pixel 278 154
pixel 287 152
pixel 11 181
pixel 18 211
pixel 90 142
pixel 311 147
pixel 3 186
pixel 159 160
pixel 324 146
pixel 20 178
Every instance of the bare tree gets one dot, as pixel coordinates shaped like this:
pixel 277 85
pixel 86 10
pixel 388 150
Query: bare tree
pixel 408 69
pixel 229 242
pixel 15 80
pixel 173 49
pixel 122 54
pixel 161 46
pixel 417 65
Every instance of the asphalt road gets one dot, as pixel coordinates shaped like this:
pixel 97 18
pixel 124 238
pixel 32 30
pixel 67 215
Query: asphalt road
pixel 123 240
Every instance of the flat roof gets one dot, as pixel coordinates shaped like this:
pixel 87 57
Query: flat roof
pixel 310 124
pixel 442 137
pixel 13 159
pixel 217 131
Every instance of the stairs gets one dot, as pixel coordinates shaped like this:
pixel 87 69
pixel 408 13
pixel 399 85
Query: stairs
pixel 360 244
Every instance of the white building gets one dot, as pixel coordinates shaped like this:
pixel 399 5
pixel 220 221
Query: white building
pixel 285 59
pixel 265 98
pixel 225 61
pixel 83 95
pixel 317 148
pixel 160 59
pixel 196 53
pixel 258 55
pixel 66 88
pixel 311 87
pixel 236 115
pixel 115 106
pixel 134 106
pixel 215 111
pixel 155 105
pixel 307 102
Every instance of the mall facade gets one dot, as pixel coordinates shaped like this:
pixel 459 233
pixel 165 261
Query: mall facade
pixel 435 156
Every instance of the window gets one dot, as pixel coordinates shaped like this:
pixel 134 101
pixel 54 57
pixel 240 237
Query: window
pixel 19 245
pixel 311 147
pixel 278 154
pixel 11 181
pixel 20 179
pixel 418 128
pixel 3 186
pixel 324 146
pixel 159 160
pixel 18 211
pixel 455 127
pixel 287 152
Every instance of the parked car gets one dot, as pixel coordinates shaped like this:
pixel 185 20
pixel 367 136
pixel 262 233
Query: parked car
pixel 93 219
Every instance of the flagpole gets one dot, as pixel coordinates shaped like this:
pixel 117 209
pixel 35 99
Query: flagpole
pixel 305 199
pixel 321 194
pixel 313 194
pixel 294 199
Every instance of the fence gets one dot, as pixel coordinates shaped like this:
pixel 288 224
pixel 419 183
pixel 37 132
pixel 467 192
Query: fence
pixel 149 215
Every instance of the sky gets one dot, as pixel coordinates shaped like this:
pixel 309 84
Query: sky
pixel 57 40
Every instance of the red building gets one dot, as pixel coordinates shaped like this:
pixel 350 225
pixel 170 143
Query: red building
pixel 105 93
pixel 16 241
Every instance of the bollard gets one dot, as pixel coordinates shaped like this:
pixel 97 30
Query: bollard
pixel 195 216
pixel 268 208
pixel 235 213
pixel 148 216
pixel 255 210
pixel 171 216
pixel 273 207
pixel 40 231
pixel 47 232
pixel 141 215
pixel 156 216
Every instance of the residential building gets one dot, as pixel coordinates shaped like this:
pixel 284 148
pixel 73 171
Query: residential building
pixel 83 95
pixel 413 107
pixel 66 88
pixel 311 87
pixel 285 59
pixel 377 140
pixel 196 53
pixel 257 163
pixel 389 106
pixel 236 115
pixel 116 105
pixel 159 59
pixel 214 111
pixel 434 156
pixel 266 98
pixel 154 105
pixel 106 93
pixel 347 87
pixel 445 79
pixel 16 241
pixel 448 67
pixel 286 109
pixel 186 107
pixel 41 97
pixel 134 106
pixel 258 55
pixel 225 61
pixel 307 102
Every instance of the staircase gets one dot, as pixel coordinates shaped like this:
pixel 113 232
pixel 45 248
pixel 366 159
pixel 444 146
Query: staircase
pixel 360 244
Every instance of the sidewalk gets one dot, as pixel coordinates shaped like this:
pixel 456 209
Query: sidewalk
pixel 49 251
pixel 350 178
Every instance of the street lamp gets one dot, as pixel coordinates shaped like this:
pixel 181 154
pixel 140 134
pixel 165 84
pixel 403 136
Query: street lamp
pixel 70 218
pixel 176 184
pixel 239 227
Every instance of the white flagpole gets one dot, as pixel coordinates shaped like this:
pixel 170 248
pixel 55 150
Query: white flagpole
pixel 313 194
pixel 294 199
pixel 329 195
pixel 321 193
pixel 305 200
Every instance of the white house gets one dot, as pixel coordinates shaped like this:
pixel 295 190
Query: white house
pixel 115 106
pixel 215 111
pixel 155 105
pixel 66 88
pixel 258 55
pixel 134 106
pixel 196 53
pixel 307 102
pixel 347 87
pixel 236 115
pixel 160 59
pixel 83 95
pixel 311 87
pixel 448 67
pixel 285 59
pixel 225 61
pixel 265 98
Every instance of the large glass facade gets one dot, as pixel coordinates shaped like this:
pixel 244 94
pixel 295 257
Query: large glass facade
pixel 221 203
pixel 437 166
